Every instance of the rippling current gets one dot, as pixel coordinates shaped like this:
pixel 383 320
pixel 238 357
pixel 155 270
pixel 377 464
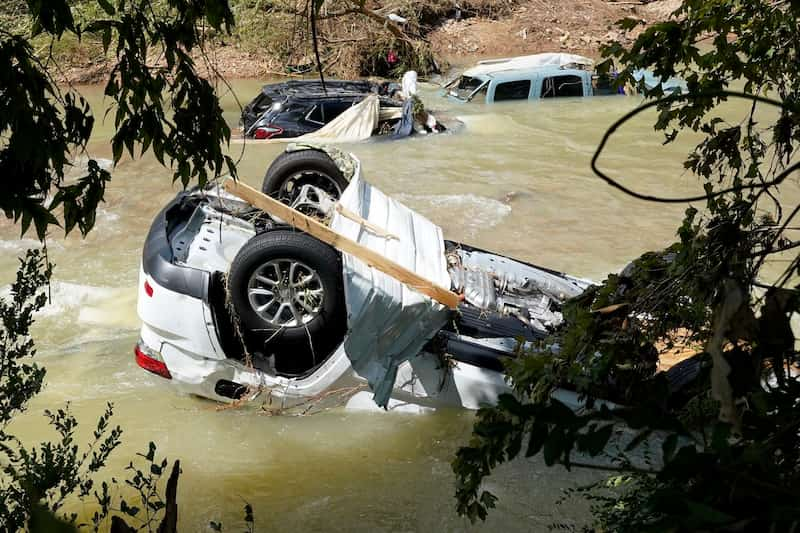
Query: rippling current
pixel 515 179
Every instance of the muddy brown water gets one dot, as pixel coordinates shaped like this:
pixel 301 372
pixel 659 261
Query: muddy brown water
pixel 516 180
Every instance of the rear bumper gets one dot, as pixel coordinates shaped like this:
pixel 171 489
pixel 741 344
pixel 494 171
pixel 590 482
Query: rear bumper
pixel 421 381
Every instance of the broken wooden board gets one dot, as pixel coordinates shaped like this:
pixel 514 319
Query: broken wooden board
pixel 325 234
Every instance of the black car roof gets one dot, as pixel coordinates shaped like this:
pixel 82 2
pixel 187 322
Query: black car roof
pixel 329 96
pixel 312 87
pixel 348 97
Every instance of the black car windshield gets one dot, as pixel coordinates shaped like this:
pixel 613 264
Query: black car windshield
pixel 466 87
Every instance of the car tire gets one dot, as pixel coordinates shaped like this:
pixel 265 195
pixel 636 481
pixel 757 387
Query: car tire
pixel 300 322
pixel 684 373
pixel 290 170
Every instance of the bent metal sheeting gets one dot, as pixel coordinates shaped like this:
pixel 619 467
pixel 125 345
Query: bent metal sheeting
pixel 389 322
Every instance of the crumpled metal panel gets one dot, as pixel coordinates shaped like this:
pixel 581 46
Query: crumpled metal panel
pixel 477 286
pixel 388 321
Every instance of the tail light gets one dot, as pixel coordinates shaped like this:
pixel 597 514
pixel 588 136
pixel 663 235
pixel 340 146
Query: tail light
pixel 267 132
pixel 151 360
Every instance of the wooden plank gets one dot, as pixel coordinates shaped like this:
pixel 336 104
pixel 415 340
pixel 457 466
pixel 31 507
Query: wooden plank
pixel 325 234
pixel 372 228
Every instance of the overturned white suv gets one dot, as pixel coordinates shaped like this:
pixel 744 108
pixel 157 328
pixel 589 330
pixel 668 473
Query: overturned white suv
pixel 234 302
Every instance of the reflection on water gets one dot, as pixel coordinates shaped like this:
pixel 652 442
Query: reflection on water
pixel 515 180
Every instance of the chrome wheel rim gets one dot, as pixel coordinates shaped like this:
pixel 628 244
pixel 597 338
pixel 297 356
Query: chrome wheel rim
pixel 285 293
pixel 290 187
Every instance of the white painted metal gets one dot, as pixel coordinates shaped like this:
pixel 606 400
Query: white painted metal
pixel 180 329
pixel 551 59
pixel 389 322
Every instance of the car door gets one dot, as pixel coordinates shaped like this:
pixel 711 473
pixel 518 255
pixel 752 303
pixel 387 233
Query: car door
pixel 323 112
pixel 563 85
pixel 503 91
pixel 334 108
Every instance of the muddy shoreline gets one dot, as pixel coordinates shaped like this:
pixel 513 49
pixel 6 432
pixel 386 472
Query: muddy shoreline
pixel 533 26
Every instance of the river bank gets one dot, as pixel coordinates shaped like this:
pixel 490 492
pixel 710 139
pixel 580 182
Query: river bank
pixel 272 38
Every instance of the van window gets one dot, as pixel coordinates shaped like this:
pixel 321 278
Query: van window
pixel 480 95
pixel 604 85
pixel 558 86
pixel 512 90
pixel 466 86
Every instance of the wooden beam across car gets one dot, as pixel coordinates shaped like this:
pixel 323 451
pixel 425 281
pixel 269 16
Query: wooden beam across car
pixel 325 234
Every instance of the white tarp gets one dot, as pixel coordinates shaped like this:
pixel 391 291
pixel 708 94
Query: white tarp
pixel 388 321
pixel 556 59
pixel 355 124
pixel 409 84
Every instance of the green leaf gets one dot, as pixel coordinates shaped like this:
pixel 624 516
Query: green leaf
pixel 514 445
pixel 554 446
pixel 151 451
pixel 127 509
pixel 509 403
pixel 107 6
pixel 559 413
pixel 595 442
pixel 42 520
pixel 116 148
pixel 106 39
pixel 701 515
pixel 537 440
pixel 27 218
pixel 668 448
pixel 720 436
pixel 638 439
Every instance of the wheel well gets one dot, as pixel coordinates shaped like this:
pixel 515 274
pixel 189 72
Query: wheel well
pixel 230 342
pixel 237 342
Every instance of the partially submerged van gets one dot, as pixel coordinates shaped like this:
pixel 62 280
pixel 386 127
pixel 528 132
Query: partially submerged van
pixel 550 75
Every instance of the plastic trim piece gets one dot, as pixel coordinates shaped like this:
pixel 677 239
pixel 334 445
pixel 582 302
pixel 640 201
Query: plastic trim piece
pixel 157 259
pixel 474 354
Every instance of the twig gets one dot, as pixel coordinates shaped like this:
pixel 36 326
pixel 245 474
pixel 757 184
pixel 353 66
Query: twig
pixel 677 98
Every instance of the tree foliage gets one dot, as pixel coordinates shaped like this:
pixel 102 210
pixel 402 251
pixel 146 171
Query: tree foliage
pixel 730 450
pixel 160 102
pixel 36 481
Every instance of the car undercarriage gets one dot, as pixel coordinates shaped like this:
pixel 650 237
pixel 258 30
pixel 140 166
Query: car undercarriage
pixel 233 300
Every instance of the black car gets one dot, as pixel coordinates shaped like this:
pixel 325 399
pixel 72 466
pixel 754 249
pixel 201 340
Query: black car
pixel 294 108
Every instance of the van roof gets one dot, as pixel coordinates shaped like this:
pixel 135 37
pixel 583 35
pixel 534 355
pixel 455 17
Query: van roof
pixel 535 62
pixel 526 74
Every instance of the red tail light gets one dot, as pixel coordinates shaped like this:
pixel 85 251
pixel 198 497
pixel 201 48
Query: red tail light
pixel 148 288
pixel 151 361
pixel 267 132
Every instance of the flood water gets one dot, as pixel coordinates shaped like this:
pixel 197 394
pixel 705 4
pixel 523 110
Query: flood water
pixel 516 180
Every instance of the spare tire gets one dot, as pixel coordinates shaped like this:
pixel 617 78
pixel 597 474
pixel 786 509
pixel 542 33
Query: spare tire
pixel 292 170
pixel 286 288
